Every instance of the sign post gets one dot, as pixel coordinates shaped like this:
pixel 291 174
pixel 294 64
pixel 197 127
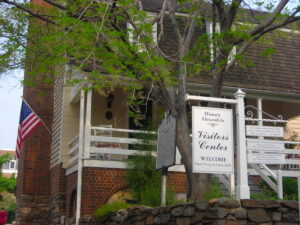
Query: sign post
pixel 242 190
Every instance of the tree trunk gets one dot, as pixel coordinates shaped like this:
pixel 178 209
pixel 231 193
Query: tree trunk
pixel 197 183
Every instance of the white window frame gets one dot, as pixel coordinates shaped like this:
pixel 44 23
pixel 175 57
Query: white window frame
pixel 134 40
pixel 14 164
pixel 209 31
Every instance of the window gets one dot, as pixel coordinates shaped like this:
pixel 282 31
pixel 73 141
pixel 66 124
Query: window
pixel 11 165
pixel 134 38
pixel 5 166
pixel 209 31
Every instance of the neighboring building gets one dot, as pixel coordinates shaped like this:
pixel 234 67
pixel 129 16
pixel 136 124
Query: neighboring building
pixel 91 134
pixel 10 168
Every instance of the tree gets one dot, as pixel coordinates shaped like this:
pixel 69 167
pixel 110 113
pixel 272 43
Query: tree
pixel 6 184
pixel 92 36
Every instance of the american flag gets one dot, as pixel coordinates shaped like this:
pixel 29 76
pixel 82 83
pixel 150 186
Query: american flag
pixel 28 122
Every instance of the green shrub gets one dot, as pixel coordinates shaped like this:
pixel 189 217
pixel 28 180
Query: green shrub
pixel 8 184
pixel 142 177
pixel 141 174
pixel 290 190
pixel 214 191
pixel 8 201
pixel 108 209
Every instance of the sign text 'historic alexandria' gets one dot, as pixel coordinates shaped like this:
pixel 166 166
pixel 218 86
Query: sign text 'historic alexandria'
pixel 212 140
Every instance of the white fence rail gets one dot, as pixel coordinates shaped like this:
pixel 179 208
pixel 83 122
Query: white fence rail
pixel 114 144
pixel 269 154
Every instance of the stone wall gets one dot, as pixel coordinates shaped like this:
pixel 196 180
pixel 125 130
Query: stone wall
pixel 33 210
pixel 219 212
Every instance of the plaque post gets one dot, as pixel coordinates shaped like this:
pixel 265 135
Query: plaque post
pixel 166 151
pixel 164 172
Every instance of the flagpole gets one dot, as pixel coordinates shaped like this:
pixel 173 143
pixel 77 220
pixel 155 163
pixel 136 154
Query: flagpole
pixel 37 116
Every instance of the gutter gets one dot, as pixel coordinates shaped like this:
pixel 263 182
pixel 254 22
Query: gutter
pixel 228 91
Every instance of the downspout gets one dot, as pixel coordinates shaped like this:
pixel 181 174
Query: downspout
pixel 80 156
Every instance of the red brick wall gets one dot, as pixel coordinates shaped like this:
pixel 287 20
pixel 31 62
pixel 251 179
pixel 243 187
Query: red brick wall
pixel 99 184
pixel 71 185
pixel 58 180
pixel 34 162
pixel 177 182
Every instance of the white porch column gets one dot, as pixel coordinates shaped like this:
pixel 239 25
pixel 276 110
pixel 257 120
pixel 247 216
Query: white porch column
pixel 80 155
pixel 87 128
pixel 242 190
pixel 259 112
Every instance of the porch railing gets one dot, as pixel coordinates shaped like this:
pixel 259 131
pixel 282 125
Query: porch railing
pixel 107 143
pixel 117 144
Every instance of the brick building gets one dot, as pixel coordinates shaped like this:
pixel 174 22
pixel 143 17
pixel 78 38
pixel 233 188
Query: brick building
pixel 9 168
pixel 91 133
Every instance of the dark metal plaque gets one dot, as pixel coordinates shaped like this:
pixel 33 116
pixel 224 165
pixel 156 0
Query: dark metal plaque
pixel 166 143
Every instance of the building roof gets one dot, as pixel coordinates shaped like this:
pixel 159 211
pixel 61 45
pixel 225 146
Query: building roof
pixel 279 72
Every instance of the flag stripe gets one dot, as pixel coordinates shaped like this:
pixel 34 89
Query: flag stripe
pixel 28 126
pixel 25 135
pixel 28 122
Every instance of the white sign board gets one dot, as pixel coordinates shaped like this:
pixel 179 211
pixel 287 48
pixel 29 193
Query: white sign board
pixel 266 158
pixel 264 145
pixel 212 140
pixel 264 151
pixel 264 131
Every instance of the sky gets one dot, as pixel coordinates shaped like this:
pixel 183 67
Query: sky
pixel 10 105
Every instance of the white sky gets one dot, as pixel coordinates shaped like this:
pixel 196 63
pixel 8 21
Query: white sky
pixel 10 105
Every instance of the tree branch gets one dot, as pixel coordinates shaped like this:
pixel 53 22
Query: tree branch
pixel 270 19
pixel 19 6
pixel 221 11
pixel 174 21
pixel 53 3
pixel 247 44
pixel 191 29
pixel 235 5
pixel 252 14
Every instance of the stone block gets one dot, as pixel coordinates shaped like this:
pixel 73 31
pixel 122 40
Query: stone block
pixel 292 217
pixel 25 210
pixel 283 210
pixel 276 216
pixel 216 213
pixel 149 220
pixel 164 218
pixel 199 216
pixel 177 211
pixel 189 211
pixel 250 203
pixel 228 203
pixel 240 213
pixel 290 204
pixel 258 215
pixel 183 221
pixel 283 223
pixel 202 206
